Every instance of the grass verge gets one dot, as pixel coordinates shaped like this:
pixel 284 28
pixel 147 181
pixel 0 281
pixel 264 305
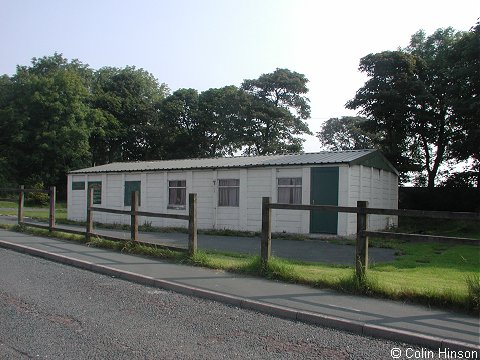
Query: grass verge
pixel 13 204
pixel 433 274
pixel 443 227
pixel 38 213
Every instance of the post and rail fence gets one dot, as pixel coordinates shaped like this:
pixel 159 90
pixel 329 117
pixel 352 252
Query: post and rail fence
pixel 21 204
pixel 362 210
pixel 133 213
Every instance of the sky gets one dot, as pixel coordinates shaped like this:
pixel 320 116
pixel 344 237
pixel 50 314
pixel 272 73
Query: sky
pixel 207 44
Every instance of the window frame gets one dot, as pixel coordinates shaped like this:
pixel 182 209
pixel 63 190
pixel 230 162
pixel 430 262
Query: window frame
pixel 224 200
pixel 78 185
pixel 181 185
pixel 296 184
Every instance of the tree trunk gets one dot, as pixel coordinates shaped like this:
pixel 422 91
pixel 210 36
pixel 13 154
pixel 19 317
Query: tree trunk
pixel 431 180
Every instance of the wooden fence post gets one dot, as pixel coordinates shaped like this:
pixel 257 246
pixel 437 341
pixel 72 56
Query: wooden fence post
pixel 51 218
pixel 21 201
pixel 192 224
pixel 361 253
pixel 266 242
pixel 134 217
pixel 89 229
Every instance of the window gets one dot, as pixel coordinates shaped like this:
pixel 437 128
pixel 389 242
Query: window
pixel 289 190
pixel 78 185
pixel 228 192
pixel 97 191
pixel 177 193
pixel 131 186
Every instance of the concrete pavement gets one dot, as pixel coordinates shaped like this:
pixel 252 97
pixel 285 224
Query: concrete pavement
pixel 414 324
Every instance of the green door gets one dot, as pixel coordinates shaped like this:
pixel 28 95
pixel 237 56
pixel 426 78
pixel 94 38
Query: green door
pixel 324 191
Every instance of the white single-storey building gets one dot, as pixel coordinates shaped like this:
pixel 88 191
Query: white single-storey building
pixel 230 190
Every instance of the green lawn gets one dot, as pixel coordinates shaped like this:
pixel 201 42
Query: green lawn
pixel 36 212
pixel 14 205
pixel 435 271
pixel 455 228
pixel 8 204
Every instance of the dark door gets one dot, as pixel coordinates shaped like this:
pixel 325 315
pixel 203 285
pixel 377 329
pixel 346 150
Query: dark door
pixel 324 191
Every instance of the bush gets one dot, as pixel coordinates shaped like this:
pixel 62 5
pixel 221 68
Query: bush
pixel 38 198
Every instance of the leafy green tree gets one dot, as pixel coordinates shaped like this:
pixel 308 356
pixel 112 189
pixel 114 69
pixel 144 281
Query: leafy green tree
pixel 278 109
pixel 208 124
pixel 180 115
pixel 43 120
pixel 126 104
pixel 384 100
pixel 346 133
pixel 409 102
pixel 465 89
pixel 7 132
pixel 223 114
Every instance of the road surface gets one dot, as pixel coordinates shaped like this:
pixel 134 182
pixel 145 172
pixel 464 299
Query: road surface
pixel 49 310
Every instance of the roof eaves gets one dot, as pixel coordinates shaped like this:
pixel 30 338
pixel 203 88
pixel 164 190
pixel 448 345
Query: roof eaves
pixel 287 160
pixel 243 166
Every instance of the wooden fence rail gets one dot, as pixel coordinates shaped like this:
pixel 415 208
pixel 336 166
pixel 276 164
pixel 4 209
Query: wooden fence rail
pixel 134 213
pixel 21 203
pixel 22 189
pixel 141 213
pixel 378 211
pixel 362 210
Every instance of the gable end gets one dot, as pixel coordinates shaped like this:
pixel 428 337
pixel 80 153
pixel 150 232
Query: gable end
pixel 375 160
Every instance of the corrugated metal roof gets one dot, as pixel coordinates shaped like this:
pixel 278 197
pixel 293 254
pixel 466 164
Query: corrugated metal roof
pixel 324 157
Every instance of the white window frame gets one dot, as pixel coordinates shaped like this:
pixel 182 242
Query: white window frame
pixel 176 188
pixel 229 192
pixel 292 188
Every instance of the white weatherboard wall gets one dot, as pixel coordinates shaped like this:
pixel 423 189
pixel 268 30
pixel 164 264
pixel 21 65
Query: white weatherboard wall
pixel 378 187
pixel 254 184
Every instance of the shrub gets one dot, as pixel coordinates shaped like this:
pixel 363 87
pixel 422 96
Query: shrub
pixel 38 198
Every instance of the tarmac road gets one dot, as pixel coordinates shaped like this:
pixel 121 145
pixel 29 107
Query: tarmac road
pixel 49 310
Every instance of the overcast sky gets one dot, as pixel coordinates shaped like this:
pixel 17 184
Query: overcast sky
pixel 205 44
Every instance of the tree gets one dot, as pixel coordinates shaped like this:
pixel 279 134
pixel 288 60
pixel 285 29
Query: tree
pixel 466 87
pixel 277 110
pixel 7 131
pixel 126 104
pixel 43 120
pixel 409 102
pixel 346 133
pixel 223 114
pixel 180 115
pixel 213 123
